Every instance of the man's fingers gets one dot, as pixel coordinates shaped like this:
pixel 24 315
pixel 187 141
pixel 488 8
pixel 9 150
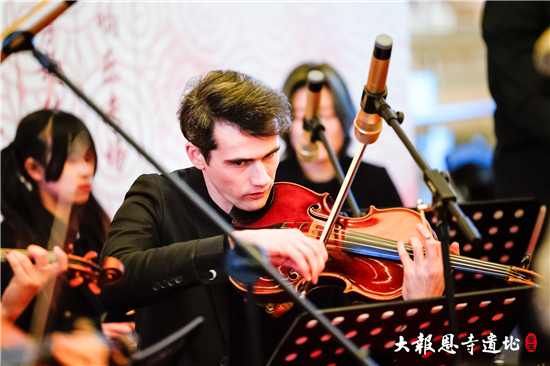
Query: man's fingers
pixel 433 247
pixel 291 247
pixel 317 248
pixel 423 231
pixel 314 253
pixel 433 250
pixel 405 258
pixel 290 252
pixel 308 254
pixel 417 250
pixel 320 254
pixel 455 248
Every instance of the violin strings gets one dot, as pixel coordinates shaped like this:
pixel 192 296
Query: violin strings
pixel 458 262
pixel 51 255
pixel 465 263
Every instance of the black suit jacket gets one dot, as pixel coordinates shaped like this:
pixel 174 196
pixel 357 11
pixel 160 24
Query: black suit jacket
pixel 174 267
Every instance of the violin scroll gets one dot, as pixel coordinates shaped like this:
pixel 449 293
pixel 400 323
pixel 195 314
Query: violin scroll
pixel 84 269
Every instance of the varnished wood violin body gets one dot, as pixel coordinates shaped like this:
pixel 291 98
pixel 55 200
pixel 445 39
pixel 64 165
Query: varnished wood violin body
pixel 362 251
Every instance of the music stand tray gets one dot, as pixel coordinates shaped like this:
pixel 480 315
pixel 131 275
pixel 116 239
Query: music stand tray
pixel 380 326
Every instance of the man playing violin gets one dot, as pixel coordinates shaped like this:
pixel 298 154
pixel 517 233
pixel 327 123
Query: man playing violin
pixel 174 256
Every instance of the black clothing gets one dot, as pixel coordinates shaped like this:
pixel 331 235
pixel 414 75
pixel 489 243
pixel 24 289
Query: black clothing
pixel 74 302
pixel 168 248
pixel 174 259
pixel 522 118
pixel 372 184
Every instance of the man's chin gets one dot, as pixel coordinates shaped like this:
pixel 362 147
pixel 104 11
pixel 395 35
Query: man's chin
pixel 254 205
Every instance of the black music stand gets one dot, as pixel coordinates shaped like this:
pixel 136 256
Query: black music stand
pixel 507 228
pixel 379 327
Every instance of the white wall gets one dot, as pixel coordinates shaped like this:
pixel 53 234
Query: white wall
pixel 134 60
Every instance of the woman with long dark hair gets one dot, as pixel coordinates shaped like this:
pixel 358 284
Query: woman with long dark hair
pixel 372 184
pixel 46 200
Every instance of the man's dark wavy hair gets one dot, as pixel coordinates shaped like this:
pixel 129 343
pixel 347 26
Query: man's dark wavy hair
pixel 227 96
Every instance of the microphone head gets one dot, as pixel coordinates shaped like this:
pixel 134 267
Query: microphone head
pixel 367 127
pixel 307 151
pixel 315 80
pixel 382 47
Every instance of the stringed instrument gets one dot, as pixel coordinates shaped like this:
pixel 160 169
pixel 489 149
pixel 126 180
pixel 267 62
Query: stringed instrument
pixel 83 269
pixel 362 251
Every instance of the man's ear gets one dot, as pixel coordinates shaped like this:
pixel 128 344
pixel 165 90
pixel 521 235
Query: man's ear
pixel 195 155
pixel 35 170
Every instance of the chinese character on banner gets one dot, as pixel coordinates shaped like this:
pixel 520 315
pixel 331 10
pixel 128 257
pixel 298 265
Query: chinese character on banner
pixel 423 344
pixel 108 22
pixel 447 344
pixel 511 344
pixel 531 342
pixel 402 344
pixel 489 345
pixel 470 344
pixel 116 155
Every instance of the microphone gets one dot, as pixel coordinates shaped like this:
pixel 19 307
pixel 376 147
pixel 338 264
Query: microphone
pixel 541 54
pixel 19 35
pixel 306 149
pixel 368 124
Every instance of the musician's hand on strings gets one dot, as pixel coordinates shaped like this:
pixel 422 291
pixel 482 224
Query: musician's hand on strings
pixel 423 276
pixel 290 248
pixel 29 278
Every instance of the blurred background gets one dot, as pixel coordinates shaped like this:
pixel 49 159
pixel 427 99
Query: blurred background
pixel 134 60
pixel 449 95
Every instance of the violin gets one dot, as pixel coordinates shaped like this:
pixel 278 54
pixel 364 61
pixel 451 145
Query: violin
pixel 83 269
pixel 362 251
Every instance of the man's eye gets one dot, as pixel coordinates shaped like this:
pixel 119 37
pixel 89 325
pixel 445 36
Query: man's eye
pixel 238 163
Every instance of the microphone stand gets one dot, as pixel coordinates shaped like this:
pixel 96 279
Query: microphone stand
pixel 444 199
pixel 317 130
pixel 241 249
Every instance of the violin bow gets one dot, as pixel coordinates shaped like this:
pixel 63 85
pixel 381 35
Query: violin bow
pixel 342 194
pixel 46 296
pixel 368 126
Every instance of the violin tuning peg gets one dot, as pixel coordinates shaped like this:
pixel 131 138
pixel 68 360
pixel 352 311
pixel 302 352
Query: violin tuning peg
pixel 94 288
pixel 90 255
pixel 76 281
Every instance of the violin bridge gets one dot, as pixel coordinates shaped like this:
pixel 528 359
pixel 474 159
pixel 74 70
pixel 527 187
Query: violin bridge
pixel 314 230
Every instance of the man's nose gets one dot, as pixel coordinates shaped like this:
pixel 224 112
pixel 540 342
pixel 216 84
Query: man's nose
pixel 259 175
